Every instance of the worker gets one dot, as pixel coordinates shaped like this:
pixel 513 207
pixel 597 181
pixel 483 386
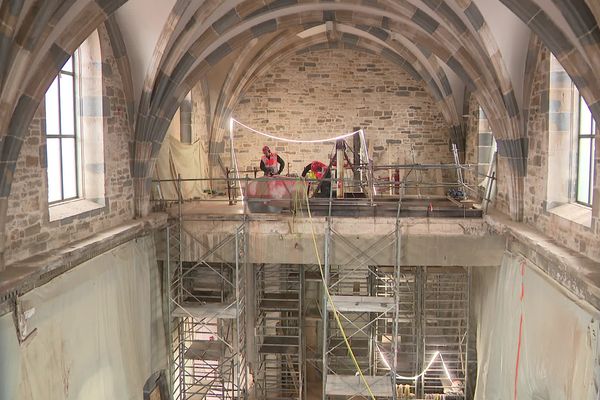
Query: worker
pixel 315 169
pixel 318 170
pixel 270 163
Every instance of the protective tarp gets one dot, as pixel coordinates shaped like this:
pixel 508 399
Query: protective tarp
pixel 189 161
pixel 98 331
pixel 274 192
pixel 533 341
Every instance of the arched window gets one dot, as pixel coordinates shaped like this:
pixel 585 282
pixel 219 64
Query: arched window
pixel 74 114
pixel 62 147
pixel 486 148
pixel 571 149
pixel 586 148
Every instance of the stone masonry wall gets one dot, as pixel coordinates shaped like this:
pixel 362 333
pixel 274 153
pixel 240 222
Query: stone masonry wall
pixel 28 229
pixel 326 93
pixel 572 235
pixel 472 138
pixel 501 200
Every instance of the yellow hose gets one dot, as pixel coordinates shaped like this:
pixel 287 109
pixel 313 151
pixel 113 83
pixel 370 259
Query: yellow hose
pixel 334 309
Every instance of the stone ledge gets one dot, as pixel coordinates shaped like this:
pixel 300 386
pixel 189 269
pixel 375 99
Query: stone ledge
pixel 27 274
pixel 574 212
pixel 575 273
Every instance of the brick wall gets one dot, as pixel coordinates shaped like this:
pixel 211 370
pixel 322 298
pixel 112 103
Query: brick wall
pixel 326 93
pixel 28 228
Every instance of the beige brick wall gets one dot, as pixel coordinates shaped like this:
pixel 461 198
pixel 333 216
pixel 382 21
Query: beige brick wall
pixel 472 139
pixel 28 228
pixel 501 202
pixel 330 92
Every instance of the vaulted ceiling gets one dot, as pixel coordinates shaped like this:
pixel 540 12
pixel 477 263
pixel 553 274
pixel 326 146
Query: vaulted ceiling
pixel 168 46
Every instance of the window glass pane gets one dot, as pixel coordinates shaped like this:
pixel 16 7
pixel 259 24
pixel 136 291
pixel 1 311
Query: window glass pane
pixel 585 119
pixel 67 105
pixel 54 181
pixel 52 127
pixel 592 172
pixel 583 170
pixel 69 168
pixel 68 65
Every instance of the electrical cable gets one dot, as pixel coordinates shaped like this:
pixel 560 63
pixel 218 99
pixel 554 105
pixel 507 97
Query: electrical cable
pixel 333 308
pixel 446 369
pixel 415 377
pixel 332 139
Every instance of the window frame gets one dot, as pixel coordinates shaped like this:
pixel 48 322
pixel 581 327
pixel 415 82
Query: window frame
pixel 61 136
pixel 591 136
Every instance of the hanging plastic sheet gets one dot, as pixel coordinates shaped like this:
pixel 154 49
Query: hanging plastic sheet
pixel 189 161
pixel 98 331
pixel 533 342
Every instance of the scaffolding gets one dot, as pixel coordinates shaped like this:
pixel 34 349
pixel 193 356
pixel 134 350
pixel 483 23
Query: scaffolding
pixel 365 295
pixel 279 331
pixel 207 317
pixel 445 327
pixel 407 326
pixel 400 331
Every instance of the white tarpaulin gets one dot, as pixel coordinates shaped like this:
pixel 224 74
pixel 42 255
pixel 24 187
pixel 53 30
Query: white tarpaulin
pixel 188 160
pixel 533 342
pixel 99 331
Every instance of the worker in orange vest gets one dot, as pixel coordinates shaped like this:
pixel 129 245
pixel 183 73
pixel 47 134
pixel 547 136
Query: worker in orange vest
pixel 270 163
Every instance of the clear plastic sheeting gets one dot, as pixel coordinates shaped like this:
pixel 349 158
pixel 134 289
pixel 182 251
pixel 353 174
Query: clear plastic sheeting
pixel 533 342
pixel 97 331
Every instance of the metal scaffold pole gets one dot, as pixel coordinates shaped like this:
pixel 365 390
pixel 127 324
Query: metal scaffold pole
pixel 467 335
pixel 397 277
pixel 240 278
pixel 206 306
pixel 167 307
pixel 324 304
pixel 420 354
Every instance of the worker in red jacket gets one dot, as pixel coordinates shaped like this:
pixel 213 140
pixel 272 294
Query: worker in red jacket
pixel 318 170
pixel 270 163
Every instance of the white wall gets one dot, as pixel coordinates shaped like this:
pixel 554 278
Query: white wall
pixel 558 355
pixel 99 331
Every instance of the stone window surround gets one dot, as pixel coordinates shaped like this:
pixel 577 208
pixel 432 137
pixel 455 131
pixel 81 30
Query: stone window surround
pixel 486 148
pixel 562 145
pixel 91 121
pixel 72 208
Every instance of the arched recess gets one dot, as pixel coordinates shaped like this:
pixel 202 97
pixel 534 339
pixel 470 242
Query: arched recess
pixel 173 85
pixel 236 83
pixel 39 37
pixel 442 36
pixel 224 111
pixel 120 53
pixel 584 74
pixel 534 53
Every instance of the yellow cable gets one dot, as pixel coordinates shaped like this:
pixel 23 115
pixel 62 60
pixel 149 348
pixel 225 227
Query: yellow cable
pixel 333 308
